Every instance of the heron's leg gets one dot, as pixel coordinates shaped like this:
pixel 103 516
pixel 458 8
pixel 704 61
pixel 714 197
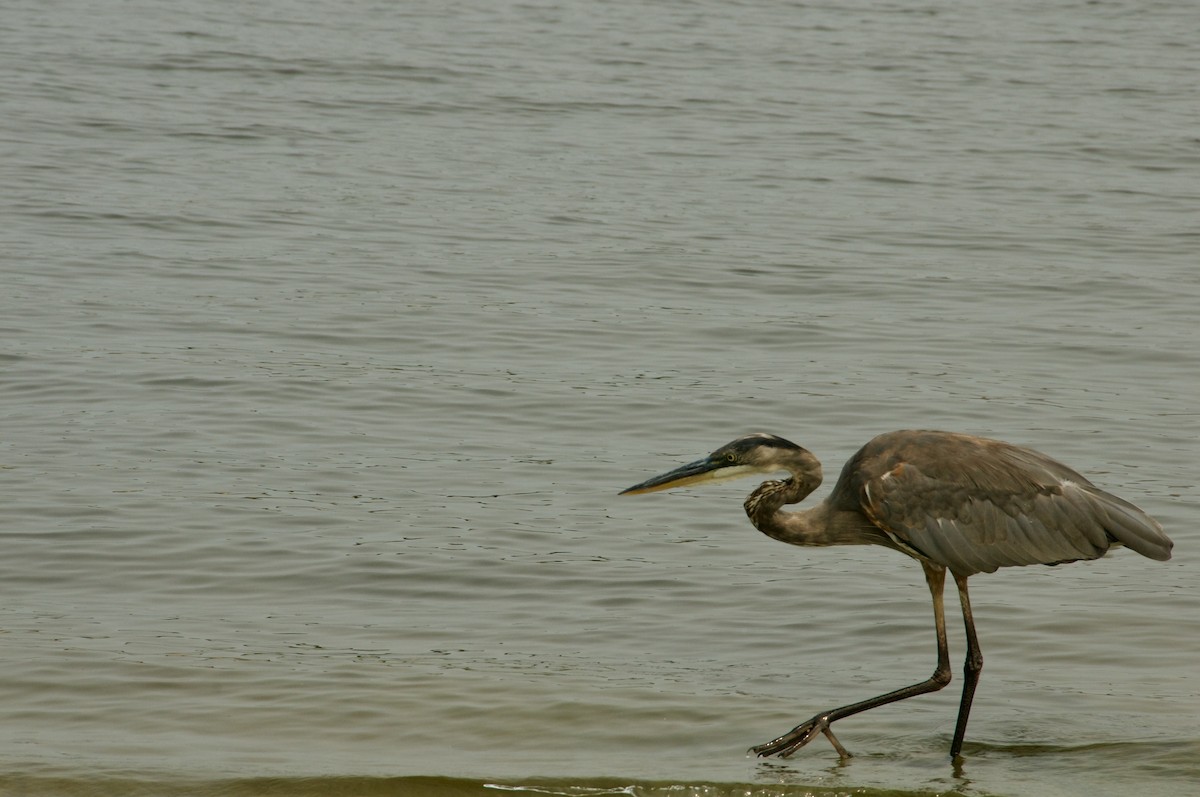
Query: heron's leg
pixel 971 668
pixel 805 732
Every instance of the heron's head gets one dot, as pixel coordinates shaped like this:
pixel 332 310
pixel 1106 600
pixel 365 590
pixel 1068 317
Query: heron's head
pixel 754 454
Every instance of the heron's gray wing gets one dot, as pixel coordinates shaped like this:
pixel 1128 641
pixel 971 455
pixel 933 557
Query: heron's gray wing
pixel 975 505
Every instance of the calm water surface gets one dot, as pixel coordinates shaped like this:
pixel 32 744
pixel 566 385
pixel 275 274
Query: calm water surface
pixel 331 331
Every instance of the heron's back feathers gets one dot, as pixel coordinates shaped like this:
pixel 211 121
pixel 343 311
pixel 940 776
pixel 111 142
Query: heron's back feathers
pixel 975 505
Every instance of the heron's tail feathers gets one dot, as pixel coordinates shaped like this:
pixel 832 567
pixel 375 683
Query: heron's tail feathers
pixel 1133 528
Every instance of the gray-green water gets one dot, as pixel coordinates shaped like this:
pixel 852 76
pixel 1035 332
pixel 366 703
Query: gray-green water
pixel 331 331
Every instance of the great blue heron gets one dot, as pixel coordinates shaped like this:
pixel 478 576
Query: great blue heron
pixel 952 502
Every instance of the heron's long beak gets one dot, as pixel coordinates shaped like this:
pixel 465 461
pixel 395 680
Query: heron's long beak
pixel 702 471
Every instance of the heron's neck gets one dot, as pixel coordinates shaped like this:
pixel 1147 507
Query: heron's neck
pixel 820 525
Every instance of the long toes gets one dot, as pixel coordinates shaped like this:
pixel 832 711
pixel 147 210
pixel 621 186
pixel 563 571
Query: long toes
pixel 769 748
pixel 765 749
pixel 789 743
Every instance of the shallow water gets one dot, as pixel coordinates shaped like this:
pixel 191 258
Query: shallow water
pixel 331 333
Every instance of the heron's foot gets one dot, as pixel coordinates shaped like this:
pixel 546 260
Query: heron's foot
pixel 799 736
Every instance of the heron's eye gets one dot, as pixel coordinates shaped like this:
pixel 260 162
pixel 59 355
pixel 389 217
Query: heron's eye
pixel 731 458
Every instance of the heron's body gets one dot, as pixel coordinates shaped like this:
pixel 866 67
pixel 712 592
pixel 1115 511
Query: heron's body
pixel 951 501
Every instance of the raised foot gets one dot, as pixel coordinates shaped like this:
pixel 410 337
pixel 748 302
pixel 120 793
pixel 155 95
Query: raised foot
pixel 799 736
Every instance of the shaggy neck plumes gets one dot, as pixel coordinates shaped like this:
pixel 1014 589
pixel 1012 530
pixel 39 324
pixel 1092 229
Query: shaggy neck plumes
pixel 763 505
pixel 821 525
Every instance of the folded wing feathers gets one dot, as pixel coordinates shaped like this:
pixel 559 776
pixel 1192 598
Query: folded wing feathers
pixel 976 523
